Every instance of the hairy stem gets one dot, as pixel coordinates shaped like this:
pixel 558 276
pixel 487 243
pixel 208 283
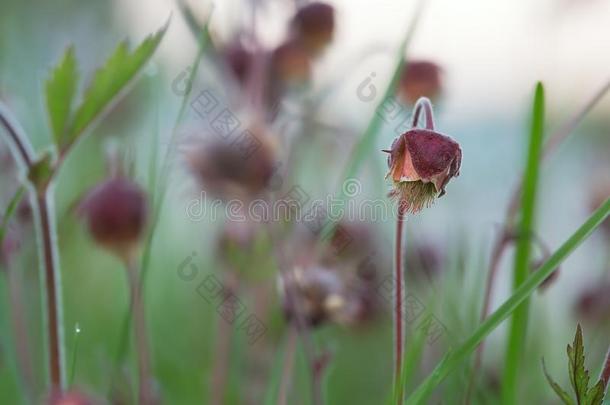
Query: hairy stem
pixel 398 307
pixel 141 340
pixel 52 283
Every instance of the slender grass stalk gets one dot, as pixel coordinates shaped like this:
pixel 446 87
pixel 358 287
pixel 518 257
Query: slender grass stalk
pixel 77 331
pixel 455 357
pixel 288 367
pixel 10 210
pixel 222 352
pixel 145 394
pixel 518 327
pixel 399 294
pixel 362 148
pixel 605 373
pixel 505 238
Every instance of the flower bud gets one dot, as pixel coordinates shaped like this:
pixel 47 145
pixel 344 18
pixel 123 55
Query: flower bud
pixel 420 79
pixel 322 294
pixel 313 25
pixel 229 171
pixel 593 304
pixel 116 212
pixel 421 163
pixel 290 63
pixel 239 60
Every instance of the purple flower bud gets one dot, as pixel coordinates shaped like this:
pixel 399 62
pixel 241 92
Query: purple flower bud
pixel 116 212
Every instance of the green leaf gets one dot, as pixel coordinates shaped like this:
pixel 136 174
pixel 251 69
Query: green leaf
pixel 60 90
pixel 558 390
pixel 456 356
pixel 109 80
pixel 518 327
pixel 595 396
pixel 579 377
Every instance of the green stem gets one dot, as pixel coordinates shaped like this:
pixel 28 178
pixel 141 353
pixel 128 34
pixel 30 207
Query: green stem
pixel 518 327
pixel 398 308
pixel 454 358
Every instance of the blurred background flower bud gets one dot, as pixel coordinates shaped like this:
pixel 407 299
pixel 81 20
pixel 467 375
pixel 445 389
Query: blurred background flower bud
pixel 231 170
pixel 239 60
pixel 593 303
pixel 420 78
pixel 424 261
pixel 116 212
pixel 291 64
pixel 323 294
pixel 313 26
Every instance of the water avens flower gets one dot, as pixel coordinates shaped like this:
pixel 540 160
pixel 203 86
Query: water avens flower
pixel 421 163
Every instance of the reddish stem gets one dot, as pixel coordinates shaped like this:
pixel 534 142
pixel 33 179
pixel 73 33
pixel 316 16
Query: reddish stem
pixel 53 292
pixel 426 105
pixel 398 306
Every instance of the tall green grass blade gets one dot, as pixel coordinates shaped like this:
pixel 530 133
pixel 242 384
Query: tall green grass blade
pixel 455 357
pixel 367 141
pixel 518 327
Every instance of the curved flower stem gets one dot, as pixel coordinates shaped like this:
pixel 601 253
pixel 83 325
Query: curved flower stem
pixel 425 104
pixel 398 307
pixel 141 341
pixel 52 280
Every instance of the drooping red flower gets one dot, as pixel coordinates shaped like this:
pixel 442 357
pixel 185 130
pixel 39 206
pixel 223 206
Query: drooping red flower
pixel 422 162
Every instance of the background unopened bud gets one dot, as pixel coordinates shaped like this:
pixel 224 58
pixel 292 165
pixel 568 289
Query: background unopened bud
pixel 291 63
pixel 420 79
pixel 116 212
pixel 230 171
pixel 239 60
pixel 313 25
pixel 593 304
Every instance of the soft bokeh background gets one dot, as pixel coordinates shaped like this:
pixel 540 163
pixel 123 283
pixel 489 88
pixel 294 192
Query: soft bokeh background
pixel 492 53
